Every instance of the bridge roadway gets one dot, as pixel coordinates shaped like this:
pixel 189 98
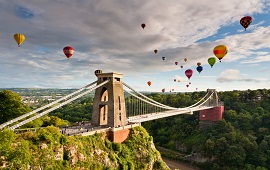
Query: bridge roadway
pixel 159 115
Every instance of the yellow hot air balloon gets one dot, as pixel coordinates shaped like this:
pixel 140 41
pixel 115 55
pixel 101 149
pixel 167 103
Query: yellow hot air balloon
pixel 19 38
pixel 220 51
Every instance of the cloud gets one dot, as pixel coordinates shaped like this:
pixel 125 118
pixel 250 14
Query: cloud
pixel 107 35
pixel 233 75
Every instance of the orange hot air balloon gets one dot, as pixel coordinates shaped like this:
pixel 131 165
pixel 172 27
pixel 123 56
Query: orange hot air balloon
pixel 246 21
pixel 178 80
pixel 149 83
pixel 185 59
pixel 220 51
pixel 68 51
pixel 155 51
pixel 198 64
pixel 143 25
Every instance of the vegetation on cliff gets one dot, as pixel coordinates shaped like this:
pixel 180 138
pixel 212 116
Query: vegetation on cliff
pixel 49 149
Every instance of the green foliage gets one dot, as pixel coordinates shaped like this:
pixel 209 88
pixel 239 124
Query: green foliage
pixel 11 106
pixel 44 149
pixel 240 141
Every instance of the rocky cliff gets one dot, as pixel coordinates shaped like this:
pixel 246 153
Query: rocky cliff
pixel 49 149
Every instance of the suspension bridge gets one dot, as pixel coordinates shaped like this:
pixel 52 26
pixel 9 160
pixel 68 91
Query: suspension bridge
pixel 113 109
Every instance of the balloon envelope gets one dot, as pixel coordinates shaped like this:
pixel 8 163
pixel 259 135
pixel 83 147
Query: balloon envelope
pixel 198 64
pixel 149 83
pixel 163 58
pixel 185 59
pixel 211 61
pixel 187 85
pixel 199 69
pixel 155 51
pixel 220 51
pixel 19 38
pixel 176 63
pixel 143 25
pixel 188 73
pixel 98 72
pixel 246 21
pixel 68 51
pixel 163 90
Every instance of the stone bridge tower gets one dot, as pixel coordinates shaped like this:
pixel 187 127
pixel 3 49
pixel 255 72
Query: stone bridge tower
pixel 213 100
pixel 109 108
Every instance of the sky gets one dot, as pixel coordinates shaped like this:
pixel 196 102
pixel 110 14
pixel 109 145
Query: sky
pixel 107 35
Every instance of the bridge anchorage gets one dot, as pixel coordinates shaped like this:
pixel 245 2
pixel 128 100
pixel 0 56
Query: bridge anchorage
pixel 113 117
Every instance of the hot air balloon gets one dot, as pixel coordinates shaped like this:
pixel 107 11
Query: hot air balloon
pixel 174 80
pixel 181 66
pixel 188 73
pixel 19 38
pixel 212 61
pixel 220 51
pixel 163 90
pixel 185 59
pixel 143 25
pixel 246 21
pixel 149 83
pixel 198 64
pixel 187 85
pixel 199 69
pixel 155 51
pixel 98 72
pixel 176 63
pixel 178 80
pixel 68 51
pixel 163 58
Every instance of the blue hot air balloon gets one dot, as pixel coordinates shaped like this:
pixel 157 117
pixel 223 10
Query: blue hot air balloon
pixel 199 69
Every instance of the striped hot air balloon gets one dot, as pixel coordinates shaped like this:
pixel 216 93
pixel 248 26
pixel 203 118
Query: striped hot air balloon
pixel 68 51
pixel 220 51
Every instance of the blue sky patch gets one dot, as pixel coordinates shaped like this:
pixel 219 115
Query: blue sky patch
pixel 23 12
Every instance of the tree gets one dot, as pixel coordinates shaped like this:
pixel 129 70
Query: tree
pixel 11 106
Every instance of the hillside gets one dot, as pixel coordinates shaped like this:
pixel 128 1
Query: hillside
pixel 49 149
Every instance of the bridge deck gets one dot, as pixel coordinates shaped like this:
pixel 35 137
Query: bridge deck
pixel 159 115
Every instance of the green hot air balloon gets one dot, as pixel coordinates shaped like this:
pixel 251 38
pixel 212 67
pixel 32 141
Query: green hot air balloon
pixel 212 61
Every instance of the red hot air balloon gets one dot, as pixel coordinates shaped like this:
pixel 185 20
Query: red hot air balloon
pixel 246 21
pixel 143 25
pixel 149 83
pixel 68 51
pixel 176 63
pixel 163 90
pixel 188 73
pixel 187 85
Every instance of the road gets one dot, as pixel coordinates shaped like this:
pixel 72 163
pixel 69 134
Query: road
pixel 172 164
